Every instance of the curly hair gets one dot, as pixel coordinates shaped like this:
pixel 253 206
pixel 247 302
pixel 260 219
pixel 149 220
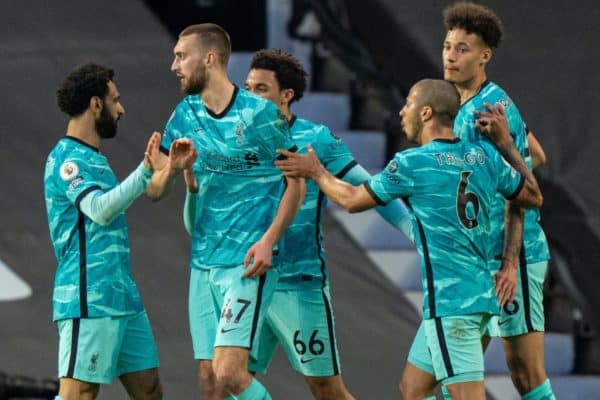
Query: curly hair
pixel 83 83
pixel 475 18
pixel 288 71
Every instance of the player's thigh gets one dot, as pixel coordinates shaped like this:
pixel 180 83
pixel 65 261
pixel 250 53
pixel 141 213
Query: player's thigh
pixel 524 350
pixel 138 347
pixel 304 323
pixel 89 348
pixel 455 346
pixel 245 304
pixel 416 383
pixel 526 313
pixel 203 311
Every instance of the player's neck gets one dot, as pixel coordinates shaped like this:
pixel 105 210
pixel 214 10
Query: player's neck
pixel 83 128
pixel 285 110
pixel 470 88
pixel 436 131
pixel 217 94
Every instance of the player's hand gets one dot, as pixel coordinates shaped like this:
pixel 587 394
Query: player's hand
pixel 506 282
pixel 493 123
pixel 182 154
pixel 261 255
pixel 152 154
pixel 296 165
pixel 191 182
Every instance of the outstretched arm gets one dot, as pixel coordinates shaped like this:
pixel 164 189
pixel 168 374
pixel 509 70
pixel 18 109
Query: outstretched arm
pixel 395 212
pixel 103 207
pixel 262 251
pixel 350 197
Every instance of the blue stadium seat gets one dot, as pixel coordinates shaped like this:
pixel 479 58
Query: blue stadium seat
pixel 331 109
pixel 237 69
pixel 401 267
pixel 372 232
pixel 368 147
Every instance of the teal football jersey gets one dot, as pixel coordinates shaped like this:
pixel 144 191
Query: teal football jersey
pixel 93 277
pixel 239 185
pixel 450 185
pixel 535 245
pixel 302 255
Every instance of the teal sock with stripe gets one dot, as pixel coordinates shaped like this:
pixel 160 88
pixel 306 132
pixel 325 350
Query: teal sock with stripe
pixel 256 391
pixel 542 392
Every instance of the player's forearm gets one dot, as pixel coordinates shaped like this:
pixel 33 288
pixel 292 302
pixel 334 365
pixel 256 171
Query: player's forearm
pixel 511 154
pixel 103 208
pixel 290 203
pixel 161 183
pixel 538 156
pixel 513 233
pixel 342 193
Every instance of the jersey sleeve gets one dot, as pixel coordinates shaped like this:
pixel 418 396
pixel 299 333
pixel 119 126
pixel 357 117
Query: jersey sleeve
pixel 334 154
pixel 393 182
pixel 510 181
pixel 76 178
pixel 174 128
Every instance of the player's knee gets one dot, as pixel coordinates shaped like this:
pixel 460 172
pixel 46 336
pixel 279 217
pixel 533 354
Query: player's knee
pixel 327 389
pixel 88 391
pixel 411 391
pixel 206 377
pixel 525 374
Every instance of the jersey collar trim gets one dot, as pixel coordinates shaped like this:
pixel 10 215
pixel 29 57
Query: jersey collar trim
pixel 483 85
pixel 226 110
pixel 81 142
pixel 451 141
pixel 291 122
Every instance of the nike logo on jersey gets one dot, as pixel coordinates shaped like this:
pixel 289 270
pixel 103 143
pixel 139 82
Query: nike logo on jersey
pixel 502 321
pixel 303 361
pixel 223 330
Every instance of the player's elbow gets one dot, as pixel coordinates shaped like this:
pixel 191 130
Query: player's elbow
pixel 354 207
pixel 539 200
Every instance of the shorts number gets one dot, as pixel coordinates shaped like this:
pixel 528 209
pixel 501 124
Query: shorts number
pixel 245 303
pixel 463 199
pixel 315 346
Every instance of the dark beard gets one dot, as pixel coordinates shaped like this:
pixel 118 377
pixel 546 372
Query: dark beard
pixel 197 83
pixel 106 126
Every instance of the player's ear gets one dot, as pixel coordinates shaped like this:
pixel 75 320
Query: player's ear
pixel 288 95
pixel 426 113
pixel 96 104
pixel 486 55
